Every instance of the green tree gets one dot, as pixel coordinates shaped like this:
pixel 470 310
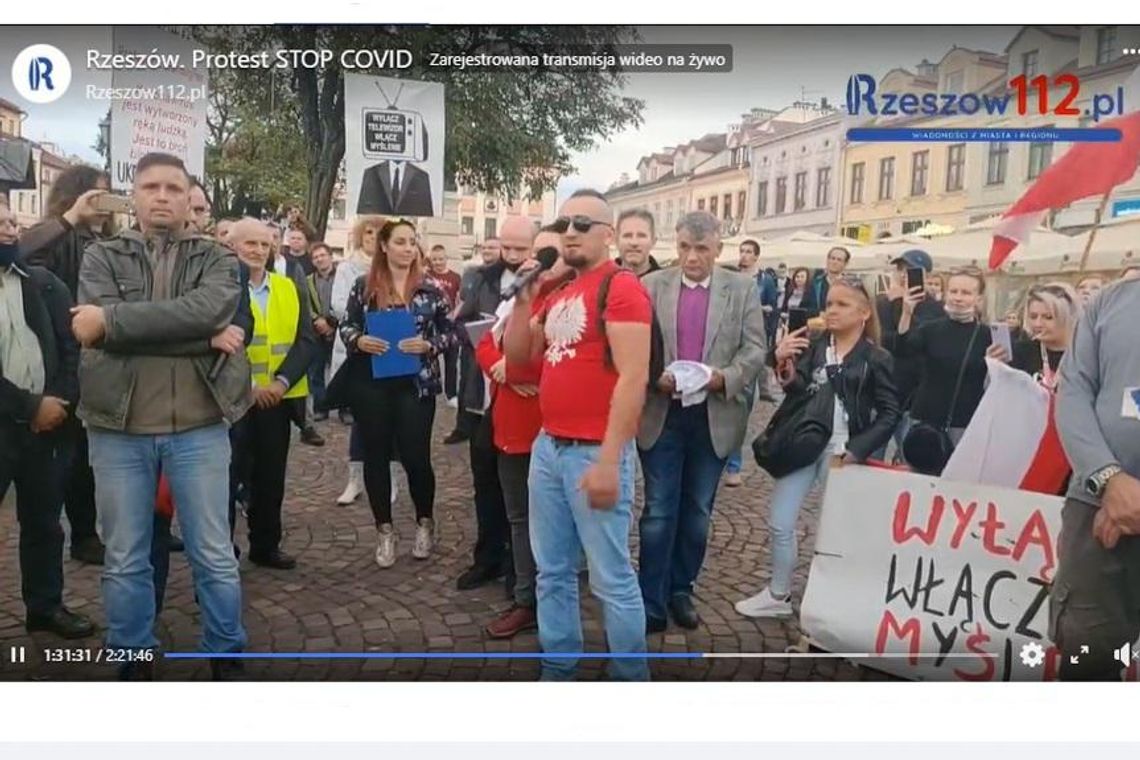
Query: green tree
pixel 504 129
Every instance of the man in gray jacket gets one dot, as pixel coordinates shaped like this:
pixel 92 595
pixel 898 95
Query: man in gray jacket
pixel 712 317
pixel 1095 599
pixel 155 314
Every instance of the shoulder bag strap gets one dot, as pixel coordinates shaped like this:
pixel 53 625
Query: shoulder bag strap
pixel 961 376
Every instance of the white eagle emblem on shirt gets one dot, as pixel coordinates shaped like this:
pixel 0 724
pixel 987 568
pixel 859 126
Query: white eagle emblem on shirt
pixel 565 325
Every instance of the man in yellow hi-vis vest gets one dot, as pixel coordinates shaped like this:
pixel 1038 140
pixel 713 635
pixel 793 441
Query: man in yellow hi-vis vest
pixel 283 345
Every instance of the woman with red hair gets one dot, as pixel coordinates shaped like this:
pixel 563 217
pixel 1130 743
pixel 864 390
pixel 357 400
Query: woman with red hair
pixel 395 413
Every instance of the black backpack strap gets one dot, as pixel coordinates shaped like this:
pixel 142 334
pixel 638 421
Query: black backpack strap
pixel 603 298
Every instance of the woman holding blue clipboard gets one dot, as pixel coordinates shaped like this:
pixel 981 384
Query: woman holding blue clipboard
pixel 396 325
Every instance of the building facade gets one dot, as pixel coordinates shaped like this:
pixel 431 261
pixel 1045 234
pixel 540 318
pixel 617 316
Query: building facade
pixel 794 179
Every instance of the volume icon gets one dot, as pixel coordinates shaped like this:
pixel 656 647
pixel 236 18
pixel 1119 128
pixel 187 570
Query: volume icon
pixel 1124 654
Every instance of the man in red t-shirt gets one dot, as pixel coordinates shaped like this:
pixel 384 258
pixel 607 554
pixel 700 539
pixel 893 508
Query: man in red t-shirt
pixel 448 282
pixel 594 375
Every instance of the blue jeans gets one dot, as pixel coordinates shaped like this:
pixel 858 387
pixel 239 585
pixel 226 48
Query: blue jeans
pixel 316 372
pixel 682 472
pixel 196 463
pixel 788 497
pixel 898 437
pixel 562 524
pixel 736 458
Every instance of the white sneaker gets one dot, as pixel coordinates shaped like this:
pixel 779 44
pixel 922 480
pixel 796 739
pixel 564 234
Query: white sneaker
pixel 392 478
pixel 453 402
pixel 355 485
pixel 764 605
pixel 386 540
pixel 425 539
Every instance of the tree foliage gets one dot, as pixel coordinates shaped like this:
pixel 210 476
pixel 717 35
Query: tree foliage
pixel 505 130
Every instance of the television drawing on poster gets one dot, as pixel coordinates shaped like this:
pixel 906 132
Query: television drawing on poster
pixel 394 130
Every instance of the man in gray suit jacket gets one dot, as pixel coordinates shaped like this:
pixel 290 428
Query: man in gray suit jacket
pixel 712 316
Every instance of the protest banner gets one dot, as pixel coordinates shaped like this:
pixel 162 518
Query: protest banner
pixel 919 566
pixel 394 146
pixel 157 109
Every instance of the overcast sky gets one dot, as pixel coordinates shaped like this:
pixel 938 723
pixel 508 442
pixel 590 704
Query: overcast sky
pixel 773 66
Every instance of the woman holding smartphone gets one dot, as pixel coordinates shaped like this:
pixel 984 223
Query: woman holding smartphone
pixel 951 354
pixel 395 413
pixel 861 409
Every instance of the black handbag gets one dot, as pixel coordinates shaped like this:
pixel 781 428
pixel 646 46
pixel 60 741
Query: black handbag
pixel 797 434
pixel 927 448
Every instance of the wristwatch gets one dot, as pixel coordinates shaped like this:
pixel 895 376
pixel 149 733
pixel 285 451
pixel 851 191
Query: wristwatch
pixel 1098 481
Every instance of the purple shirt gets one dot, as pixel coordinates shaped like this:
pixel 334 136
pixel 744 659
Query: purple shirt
pixel 692 316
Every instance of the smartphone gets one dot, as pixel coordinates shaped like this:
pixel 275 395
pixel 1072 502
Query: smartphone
pixel 797 318
pixel 110 203
pixel 915 278
pixel 999 336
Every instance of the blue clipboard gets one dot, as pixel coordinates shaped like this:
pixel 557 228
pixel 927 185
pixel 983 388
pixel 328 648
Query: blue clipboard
pixel 393 326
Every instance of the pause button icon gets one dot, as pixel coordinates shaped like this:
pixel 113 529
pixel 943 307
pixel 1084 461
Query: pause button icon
pixel 18 655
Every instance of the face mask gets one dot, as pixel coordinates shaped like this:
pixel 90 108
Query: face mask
pixel 8 254
pixel 960 315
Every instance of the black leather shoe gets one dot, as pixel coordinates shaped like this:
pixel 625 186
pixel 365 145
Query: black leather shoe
pixel 311 437
pixel 345 417
pixel 455 436
pixel 320 416
pixel 684 613
pixel 655 625
pixel 477 575
pixel 63 623
pixel 89 551
pixel 228 670
pixel 278 560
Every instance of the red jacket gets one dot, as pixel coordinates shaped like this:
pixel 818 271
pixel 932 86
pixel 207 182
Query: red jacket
pixel 516 419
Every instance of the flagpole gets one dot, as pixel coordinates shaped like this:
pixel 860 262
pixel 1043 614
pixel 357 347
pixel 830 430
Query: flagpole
pixel 1092 232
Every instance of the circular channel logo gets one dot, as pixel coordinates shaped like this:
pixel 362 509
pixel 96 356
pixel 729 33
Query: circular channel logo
pixel 41 73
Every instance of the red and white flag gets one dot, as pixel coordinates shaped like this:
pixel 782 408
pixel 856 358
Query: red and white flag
pixel 1086 170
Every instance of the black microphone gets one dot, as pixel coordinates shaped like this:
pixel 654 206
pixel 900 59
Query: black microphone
pixel 547 257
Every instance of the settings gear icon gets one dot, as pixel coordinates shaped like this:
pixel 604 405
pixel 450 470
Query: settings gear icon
pixel 1032 654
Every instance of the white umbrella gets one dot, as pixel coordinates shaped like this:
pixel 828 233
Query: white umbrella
pixel 1116 246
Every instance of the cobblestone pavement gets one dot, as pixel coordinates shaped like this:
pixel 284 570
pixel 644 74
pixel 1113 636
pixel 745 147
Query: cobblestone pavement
pixel 338 600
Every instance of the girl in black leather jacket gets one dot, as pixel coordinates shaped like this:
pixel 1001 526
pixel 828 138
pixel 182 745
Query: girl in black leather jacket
pixel 846 363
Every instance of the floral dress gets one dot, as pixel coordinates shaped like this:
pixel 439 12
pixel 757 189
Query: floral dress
pixel 430 308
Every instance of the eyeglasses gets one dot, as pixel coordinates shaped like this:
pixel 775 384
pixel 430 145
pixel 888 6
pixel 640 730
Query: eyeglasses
pixel 581 223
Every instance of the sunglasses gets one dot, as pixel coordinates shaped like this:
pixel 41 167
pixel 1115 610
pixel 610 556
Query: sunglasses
pixel 1052 290
pixel 581 224
pixel 854 281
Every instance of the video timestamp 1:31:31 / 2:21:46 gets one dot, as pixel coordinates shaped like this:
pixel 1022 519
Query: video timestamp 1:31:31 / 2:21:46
pixel 114 656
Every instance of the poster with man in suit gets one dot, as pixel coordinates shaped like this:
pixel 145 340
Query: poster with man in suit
pixel 394 133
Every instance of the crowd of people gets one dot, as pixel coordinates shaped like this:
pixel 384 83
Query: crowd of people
pixel 152 376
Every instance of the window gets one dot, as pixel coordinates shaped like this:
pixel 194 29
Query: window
pixel 1040 156
pixel 954 82
pixel 489 228
pixel 468 225
pixel 857 171
pixel 822 186
pixel 886 178
pixel 955 166
pixel 35 204
pixel 669 213
pixel 995 163
pixel 701 205
pixel 21 204
pixel 800 199
pixel 338 208
pixel 1105 44
pixel 1029 64
pixel 919 168
pixel 762 199
pixel 656 212
pixel 909 227
pixel 727 205
pixel 741 203
pixel 781 194
pixel 712 205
